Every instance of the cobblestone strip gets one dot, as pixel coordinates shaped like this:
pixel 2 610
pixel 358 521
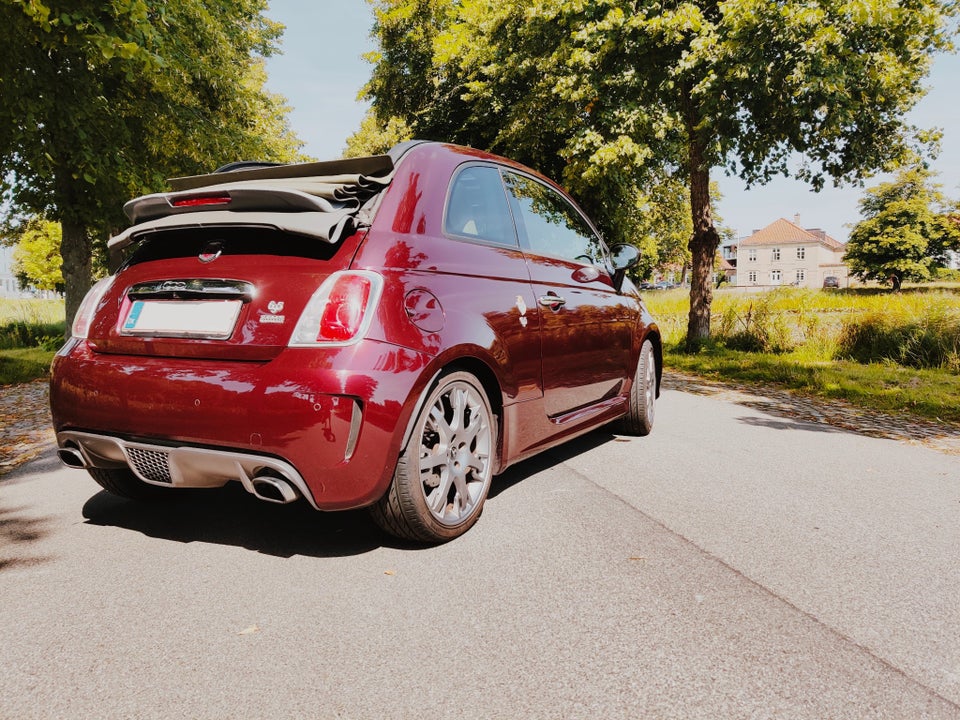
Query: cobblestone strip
pixel 25 426
pixel 941 436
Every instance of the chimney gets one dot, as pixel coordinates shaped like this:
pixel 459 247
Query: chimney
pixel 796 219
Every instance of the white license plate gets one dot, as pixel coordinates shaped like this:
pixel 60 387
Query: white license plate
pixel 183 318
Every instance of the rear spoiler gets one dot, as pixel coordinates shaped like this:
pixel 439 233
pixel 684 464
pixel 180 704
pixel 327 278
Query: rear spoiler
pixel 319 200
pixel 374 165
pixel 327 226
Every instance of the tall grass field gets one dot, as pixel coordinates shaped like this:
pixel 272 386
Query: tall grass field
pixel 30 333
pixel 895 352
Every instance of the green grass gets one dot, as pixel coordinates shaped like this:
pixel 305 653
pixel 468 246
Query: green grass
pixel 932 394
pixel 895 353
pixel 24 364
pixel 30 333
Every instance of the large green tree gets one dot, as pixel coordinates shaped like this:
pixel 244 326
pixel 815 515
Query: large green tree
pixel 104 99
pixel 906 231
pixel 618 93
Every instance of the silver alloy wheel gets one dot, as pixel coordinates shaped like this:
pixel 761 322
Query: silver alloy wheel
pixel 455 452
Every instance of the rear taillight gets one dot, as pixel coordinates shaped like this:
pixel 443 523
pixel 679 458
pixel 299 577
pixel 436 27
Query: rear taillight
pixel 88 308
pixel 340 311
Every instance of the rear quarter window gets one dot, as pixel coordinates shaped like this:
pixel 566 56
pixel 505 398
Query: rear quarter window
pixel 477 207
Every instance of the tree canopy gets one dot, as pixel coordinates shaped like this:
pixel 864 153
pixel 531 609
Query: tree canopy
pixel 36 257
pixel 907 229
pixel 104 100
pixel 614 97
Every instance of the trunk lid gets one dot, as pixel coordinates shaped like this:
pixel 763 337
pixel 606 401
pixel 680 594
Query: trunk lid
pixel 231 293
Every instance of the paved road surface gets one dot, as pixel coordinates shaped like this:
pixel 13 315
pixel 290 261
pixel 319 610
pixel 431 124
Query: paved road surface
pixel 734 564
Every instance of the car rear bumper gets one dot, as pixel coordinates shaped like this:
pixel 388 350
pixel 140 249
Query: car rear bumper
pixel 330 420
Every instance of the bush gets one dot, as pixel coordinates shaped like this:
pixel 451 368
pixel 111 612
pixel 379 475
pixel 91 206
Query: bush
pixel 928 339
pixel 20 334
pixel 759 329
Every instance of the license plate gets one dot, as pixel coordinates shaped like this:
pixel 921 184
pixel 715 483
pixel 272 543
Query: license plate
pixel 183 318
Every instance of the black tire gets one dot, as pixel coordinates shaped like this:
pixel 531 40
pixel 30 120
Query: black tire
pixel 643 395
pixel 124 483
pixel 443 474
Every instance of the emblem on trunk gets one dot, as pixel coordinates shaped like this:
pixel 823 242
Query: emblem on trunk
pixel 210 252
pixel 274 306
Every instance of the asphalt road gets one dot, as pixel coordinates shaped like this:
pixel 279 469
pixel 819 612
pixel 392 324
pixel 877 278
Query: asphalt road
pixel 731 565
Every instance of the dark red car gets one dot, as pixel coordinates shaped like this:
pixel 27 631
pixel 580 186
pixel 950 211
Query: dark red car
pixel 389 331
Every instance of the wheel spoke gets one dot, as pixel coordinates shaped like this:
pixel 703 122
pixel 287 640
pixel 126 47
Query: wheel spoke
pixel 441 425
pixel 431 460
pixel 463 501
pixel 470 432
pixel 437 500
pixel 477 461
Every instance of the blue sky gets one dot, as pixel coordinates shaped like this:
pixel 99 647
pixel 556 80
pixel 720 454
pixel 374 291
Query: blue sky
pixel 336 33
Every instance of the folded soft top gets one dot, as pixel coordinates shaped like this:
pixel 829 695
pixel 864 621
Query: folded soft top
pixel 319 200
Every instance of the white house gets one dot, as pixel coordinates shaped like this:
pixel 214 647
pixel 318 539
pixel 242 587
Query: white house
pixel 9 287
pixel 783 253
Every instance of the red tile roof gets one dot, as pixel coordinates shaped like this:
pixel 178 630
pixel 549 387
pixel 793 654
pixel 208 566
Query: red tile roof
pixel 784 232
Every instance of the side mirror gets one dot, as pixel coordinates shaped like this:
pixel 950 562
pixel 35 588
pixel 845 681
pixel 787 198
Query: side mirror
pixel 622 257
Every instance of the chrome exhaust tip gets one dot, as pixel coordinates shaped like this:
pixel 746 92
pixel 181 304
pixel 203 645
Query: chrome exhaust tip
pixel 72 458
pixel 273 489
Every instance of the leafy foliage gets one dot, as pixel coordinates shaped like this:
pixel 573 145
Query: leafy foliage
pixel 37 258
pixel 906 231
pixel 619 97
pixel 374 138
pixel 103 100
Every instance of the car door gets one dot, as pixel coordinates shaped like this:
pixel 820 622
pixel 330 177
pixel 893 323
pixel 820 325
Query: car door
pixel 586 325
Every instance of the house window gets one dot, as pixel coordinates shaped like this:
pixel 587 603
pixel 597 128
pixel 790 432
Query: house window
pixel 801 253
pixel 801 276
pixel 775 277
pixel 775 254
pixel 752 276
pixel 752 255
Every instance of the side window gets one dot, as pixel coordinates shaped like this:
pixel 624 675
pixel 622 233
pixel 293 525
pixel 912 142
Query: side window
pixel 549 225
pixel 477 207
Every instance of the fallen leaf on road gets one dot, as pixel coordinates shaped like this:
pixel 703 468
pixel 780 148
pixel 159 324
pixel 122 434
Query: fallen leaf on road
pixel 249 631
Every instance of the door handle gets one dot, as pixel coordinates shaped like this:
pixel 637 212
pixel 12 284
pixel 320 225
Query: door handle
pixel 554 302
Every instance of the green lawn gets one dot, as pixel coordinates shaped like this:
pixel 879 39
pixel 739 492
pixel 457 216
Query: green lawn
pixel 30 333
pixel 908 344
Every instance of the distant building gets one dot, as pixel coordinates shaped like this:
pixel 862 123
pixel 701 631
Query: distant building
pixel 728 262
pixel 783 253
pixel 9 287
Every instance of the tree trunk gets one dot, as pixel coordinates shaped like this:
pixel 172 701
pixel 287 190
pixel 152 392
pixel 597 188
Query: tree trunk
pixel 77 275
pixel 703 244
